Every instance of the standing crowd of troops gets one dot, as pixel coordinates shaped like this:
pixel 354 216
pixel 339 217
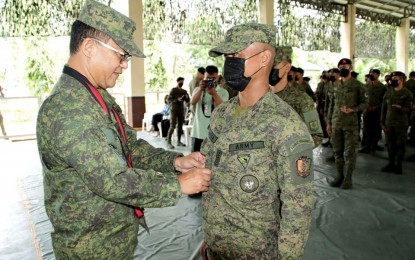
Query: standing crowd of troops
pixel 377 108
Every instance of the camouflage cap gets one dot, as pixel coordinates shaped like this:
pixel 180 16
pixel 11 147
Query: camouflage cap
pixel 118 26
pixel 241 36
pixel 283 53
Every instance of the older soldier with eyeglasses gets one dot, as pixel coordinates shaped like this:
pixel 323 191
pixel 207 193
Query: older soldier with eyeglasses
pixel 97 175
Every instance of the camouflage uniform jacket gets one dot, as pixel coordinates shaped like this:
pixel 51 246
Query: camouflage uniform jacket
pixel 304 106
pixel 176 104
pixel 330 88
pixel 396 116
pixel 349 94
pixel 261 194
pixel 375 93
pixel 89 190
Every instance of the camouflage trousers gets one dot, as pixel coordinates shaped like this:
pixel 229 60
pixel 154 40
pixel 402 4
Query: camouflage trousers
pixel 344 141
pixel 396 137
pixel 176 119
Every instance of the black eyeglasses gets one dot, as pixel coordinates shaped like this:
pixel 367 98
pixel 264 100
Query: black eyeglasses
pixel 124 56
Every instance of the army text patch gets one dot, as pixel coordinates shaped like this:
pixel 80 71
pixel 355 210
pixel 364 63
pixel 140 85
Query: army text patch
pixel 246 146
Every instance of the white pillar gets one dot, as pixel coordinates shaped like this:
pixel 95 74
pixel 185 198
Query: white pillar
pixel 266 11
pixel 348 28
pixel 402 46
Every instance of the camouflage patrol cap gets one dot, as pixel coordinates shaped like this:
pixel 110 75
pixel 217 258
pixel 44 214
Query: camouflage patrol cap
pixel 283 53
pixel 241 36
pixel 118 26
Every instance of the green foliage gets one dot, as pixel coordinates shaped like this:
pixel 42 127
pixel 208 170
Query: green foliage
pixel 39 68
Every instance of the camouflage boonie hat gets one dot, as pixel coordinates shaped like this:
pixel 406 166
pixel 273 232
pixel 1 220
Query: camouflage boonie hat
pixel 118 26
pixel 241 36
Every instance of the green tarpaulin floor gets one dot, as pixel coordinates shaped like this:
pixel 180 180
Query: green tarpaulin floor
pixel 374 220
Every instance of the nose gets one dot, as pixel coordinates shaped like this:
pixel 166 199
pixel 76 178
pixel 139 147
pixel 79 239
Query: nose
pixel 124 64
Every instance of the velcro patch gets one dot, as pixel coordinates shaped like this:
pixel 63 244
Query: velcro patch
pixel 246 146
pixel 217 158
pixel 212 136
pixel 303 166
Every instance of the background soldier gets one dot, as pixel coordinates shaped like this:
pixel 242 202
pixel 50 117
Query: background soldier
pixel 349 98
pixel 396 107
pixel 372 131
pixel 177 97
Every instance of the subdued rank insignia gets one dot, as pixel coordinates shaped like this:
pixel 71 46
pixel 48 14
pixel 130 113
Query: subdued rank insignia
pixel 249 183
pixel 244 159
pixel 303 166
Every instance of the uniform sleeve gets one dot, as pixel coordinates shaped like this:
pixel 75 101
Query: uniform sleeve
pixel 362 103
pixel 312 120
pixel 407 106
pixel 93 152
pixel 384 109
pixel 330 110
pixel 295 178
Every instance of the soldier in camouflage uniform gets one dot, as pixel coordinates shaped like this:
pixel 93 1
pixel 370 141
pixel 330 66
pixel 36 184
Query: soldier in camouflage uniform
pixel 396 108
pixel 260 199
pixel 96 174
pixel 349 98
pixel 372 131
pixel 302 104
pixel 177 97
pixel 303 85
pixel 321 99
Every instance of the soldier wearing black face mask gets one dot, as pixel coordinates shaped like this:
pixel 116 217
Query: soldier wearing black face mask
pixel 372 131
pixel 349 98
pixel 396 107
pixel 177 98
pixel 321 99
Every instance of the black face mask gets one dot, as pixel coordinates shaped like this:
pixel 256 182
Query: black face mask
pixel 324 77
pixel 274 77
pixel 233 72
pixel 372 78
pixel 290 78
pixel 296 78
pixel 394 83
pixel 332 78
pixel 344 72
pixel 180 84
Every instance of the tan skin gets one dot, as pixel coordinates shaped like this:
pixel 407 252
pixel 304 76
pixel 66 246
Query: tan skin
pixel 211 91
pixel 102 67
pixel 261 64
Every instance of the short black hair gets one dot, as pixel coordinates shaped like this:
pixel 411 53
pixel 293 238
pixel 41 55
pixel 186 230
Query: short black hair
pixel 294 69
pixel 412 74
pixel 80 31
pixel 335 70
pixel 201 70
pixel 300 70
pixel 211 69
pixel 179 79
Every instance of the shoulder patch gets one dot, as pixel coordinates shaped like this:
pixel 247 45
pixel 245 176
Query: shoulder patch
pixel 303 166
pixel 249 183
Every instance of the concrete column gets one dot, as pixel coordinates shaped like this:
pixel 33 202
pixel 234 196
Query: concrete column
pixel 402 46
pixel 266 11
pixel 134 78
pixel 348 28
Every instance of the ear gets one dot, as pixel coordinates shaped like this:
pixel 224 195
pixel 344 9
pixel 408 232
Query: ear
pixel 88 47
pixel 266 58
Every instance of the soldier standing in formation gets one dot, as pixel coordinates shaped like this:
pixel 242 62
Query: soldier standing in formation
pixel 396 106
pixel 349 98
pixel 260 152
pixel 372 131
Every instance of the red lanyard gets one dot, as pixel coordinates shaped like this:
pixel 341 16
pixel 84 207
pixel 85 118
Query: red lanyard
pixel 138 211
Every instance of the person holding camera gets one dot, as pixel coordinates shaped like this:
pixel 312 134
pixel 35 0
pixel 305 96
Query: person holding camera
pixel 208 95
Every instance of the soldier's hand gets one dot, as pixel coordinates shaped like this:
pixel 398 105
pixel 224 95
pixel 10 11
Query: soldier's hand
pixel 191 161
pixel 328 128
pixel 195 181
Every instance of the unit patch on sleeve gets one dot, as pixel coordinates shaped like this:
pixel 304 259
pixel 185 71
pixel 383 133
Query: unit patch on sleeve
pixel 249 183
pixel 303 166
